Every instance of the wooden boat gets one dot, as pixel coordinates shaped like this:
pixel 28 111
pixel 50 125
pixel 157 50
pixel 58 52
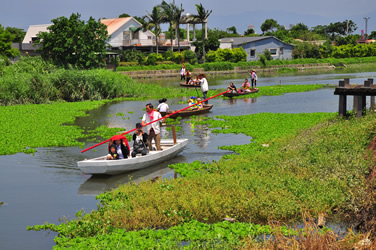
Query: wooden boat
pixel 183 84
pixel 101 165
pixel 205 109
pixel 229 94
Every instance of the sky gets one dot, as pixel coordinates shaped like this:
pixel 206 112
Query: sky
pixel 226 13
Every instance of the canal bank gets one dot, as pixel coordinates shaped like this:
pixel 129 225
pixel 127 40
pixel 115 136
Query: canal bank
pixel 237 70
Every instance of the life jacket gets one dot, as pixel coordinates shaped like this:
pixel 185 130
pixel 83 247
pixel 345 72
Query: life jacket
pixel 199 106
pixel 191 102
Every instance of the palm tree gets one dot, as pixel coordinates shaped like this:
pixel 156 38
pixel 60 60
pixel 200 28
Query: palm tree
pixel 177 18
pixel 153 22
pixel 168 14
pixel 202 17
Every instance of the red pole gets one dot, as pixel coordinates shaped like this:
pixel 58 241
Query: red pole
pixel 164 117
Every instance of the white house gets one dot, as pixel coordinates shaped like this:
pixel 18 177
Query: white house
pixel 257 44
pixel 124 33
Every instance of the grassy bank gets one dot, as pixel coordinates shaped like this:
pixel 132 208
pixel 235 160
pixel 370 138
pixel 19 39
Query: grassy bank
pixel 217 66
pixel 290 166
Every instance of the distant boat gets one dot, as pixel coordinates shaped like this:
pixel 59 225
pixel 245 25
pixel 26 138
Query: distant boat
pixel 230 94
pixel 205 109
pixel 101 165
pixel 183 84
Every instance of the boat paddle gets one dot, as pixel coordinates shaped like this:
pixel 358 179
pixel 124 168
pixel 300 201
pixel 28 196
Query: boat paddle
pixel 164 117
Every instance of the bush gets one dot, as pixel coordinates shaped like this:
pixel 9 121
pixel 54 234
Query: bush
pixel 189 56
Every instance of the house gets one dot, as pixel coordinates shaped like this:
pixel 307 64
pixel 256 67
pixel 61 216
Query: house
pixel 125 33
pixel 257 44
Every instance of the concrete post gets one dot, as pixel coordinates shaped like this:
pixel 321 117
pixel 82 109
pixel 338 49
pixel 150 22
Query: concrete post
pixel 372 98
pixel 359 108
pixel 194 32
pixel 347 81
pixel 206 30
pixel 188 33
pixel 342 101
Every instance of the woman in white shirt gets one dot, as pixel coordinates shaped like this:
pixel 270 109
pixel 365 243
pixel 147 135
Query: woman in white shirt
pixel 163 107
pixel 204 86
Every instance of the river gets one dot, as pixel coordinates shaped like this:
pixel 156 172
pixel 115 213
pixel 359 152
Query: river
pixel 48 185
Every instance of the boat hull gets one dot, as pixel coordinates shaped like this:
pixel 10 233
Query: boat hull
pixel 112 167
pixel 229 94
pixel 205 109
pixel 183 84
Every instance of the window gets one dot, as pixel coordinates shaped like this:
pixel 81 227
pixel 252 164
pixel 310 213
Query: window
pixel 273 52
pixel 149 37
pixel 281 51
pixel 252 53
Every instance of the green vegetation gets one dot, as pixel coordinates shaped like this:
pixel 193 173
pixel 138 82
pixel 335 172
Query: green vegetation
pixel 289 167
pixel 71 41
pixel 6 49
pixel 33 80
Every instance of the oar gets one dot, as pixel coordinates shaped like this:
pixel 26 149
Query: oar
pixel 164 117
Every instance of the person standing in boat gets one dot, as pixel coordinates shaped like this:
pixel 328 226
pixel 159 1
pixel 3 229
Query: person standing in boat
pixel 139 141
pixel 182 73
pixel 204 86
pixel 153 129
pixel 188 76
pixel 163 107
pixel 254 79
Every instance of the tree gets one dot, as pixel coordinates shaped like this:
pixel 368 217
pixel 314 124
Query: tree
pixel 18 33
pixel 249 32
pixel 153 22
pixel 202 17
pixel 269 25
pixel 74 42
pixel 124 15
pixel 177 18
pixel 168 13
pixel 372 35
pixel 6 39
pixel 232 30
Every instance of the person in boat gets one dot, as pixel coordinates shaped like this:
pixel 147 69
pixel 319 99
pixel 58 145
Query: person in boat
pixel 204 86
pixel 113 155
pixel 140 139
pixel 163 107
pixel 188 76
pixel 232 88
pixel 182 73
pixel 245 87
pixel 153 129
pixel 254 79
pixel 192 101
pixel 199 103
pixel 122 149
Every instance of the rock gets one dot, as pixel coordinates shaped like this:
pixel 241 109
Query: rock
pixel 362 244
pixel 230 219
pixel 321 220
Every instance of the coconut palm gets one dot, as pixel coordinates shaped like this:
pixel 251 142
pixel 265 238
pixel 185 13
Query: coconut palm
pixel 153 22
pixel 202 17
pixel 168 13
pixel 177 18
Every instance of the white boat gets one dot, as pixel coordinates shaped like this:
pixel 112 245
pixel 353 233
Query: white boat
pixel 101 165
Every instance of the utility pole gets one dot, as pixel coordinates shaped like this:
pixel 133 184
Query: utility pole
pixel 366 19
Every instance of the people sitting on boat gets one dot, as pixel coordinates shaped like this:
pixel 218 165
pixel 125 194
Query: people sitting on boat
pixel 163 107
pixel 113 155
pixel 192 101
pixel 199 103
pixel 139 141
pixel 245 87
pixel 232 88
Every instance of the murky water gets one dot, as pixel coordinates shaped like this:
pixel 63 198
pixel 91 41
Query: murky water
pixel 43 187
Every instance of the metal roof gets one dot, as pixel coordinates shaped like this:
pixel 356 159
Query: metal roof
pixel 113 24
pixel 33 30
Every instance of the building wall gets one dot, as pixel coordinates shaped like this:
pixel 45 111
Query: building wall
pixel 117 37
pixel 282 50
